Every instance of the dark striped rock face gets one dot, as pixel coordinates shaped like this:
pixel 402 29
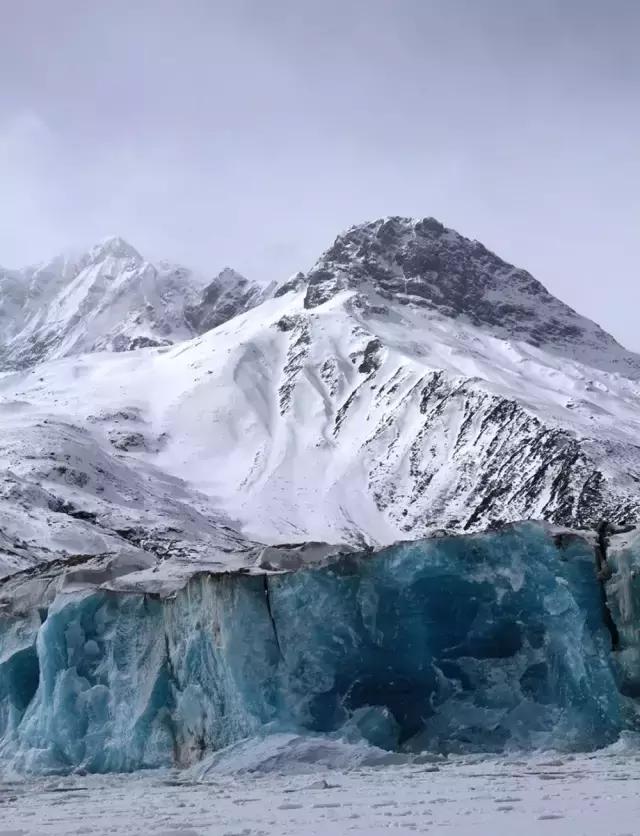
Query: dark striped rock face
pixel 228 295
pixel 422 263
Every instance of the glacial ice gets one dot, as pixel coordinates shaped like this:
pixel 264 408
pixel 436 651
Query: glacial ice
pixel 623 596
pixel 476 643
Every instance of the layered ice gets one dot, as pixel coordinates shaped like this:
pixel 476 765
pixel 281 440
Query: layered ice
pixel 479 643
pixel 622 580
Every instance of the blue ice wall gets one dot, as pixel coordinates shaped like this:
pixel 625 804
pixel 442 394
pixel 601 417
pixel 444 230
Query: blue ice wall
pixel 623 595
pixel 470 643
pixel 474 643
pixel 19 670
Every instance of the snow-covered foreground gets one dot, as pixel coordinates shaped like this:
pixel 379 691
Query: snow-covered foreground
pixel 587 795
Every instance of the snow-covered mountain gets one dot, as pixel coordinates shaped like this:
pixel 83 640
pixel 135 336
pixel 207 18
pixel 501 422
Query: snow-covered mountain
pixel 228 295
pixel 109 298
pixel 410 381
pixel 424 264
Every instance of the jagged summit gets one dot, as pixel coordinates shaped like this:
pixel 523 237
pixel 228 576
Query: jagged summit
pixel 113 246
pixel 228 295
pixel 421 262
pixel 110 298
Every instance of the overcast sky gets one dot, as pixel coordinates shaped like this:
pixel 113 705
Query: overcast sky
pixel 251 133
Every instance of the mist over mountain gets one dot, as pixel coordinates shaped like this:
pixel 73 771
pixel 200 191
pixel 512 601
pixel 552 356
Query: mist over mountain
pixel 110 298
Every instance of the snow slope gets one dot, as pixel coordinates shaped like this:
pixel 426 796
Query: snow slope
pixel 410 381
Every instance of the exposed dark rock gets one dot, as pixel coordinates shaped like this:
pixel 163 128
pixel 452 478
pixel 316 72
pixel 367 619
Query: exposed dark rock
pixel 371 359
pixel 300 340
pixel 294 283
pixel 228 295
pixel 427 265
pixel 126 441
pixel 145 342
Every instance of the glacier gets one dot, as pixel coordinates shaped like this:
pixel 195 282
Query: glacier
pixel 478 643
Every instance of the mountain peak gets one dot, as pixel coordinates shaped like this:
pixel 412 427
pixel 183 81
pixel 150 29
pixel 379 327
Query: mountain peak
pixel 115 247
pixel 421 250
pixel 226 296
pixel 421 263
pixel 228 274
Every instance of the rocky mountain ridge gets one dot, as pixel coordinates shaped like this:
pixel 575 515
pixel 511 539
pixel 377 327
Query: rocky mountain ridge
pixel 410 382
pixel 110 299
pixel 420 262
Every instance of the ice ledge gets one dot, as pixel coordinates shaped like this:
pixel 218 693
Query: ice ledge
pixel 135 571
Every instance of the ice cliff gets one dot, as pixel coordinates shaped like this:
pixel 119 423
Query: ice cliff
pixel 471 643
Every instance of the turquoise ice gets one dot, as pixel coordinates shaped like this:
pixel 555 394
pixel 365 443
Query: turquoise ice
pixel 480 643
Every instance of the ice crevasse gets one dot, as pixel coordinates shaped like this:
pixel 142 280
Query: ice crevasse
pixel 471 643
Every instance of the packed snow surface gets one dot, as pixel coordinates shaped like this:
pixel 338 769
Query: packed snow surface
pixel 585 795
